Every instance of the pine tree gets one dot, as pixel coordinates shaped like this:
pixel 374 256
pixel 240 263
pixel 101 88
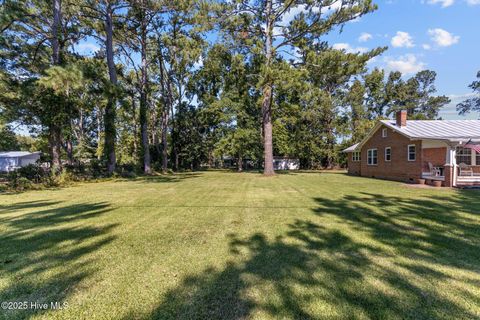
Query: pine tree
pixel 262 26
pixel 472 104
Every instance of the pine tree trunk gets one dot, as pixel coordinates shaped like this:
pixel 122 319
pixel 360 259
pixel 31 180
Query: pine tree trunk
pixel 99 132
pixel 267 97
pixel 175 152
pixel 164 140
pixel 54 142
pixel 55 133
pixel 144 134
pixel 69 148
pixel 134 125
pixel 110 109
pixel 267 131
pixel 240 163
pixel 143 99
pixel 167 105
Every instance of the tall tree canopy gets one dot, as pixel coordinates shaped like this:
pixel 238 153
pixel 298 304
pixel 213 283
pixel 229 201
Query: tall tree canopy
pixel 185 84
pixel 264 28
pixel 472 104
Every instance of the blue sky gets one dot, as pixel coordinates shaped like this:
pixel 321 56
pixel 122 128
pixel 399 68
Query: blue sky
pixel 440 35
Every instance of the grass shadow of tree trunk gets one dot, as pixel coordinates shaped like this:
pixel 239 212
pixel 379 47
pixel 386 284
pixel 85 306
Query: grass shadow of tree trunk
pixel 401 268
pixel 43 258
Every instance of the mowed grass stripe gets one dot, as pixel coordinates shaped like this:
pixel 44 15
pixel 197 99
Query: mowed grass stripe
pixel 221 245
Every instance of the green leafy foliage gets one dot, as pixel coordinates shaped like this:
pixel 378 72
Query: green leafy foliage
pixel 471 104
pixel 188 84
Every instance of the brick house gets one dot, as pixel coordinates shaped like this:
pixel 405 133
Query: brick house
pixel 410 150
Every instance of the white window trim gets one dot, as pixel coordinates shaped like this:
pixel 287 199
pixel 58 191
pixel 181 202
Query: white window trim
pixel 358 158
pixel 372 164
pixel 385 154
pixel 462 154
pixel 408 152
pixel 384 132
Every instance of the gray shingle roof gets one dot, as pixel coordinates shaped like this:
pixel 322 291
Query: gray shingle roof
pixel 438 129
pixel 15 154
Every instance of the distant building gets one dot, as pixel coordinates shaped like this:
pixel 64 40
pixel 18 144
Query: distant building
pixel 281 163
pixel 12 160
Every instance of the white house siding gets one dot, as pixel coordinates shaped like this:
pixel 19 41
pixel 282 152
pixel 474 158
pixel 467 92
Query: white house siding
pixel 9 161
pixel 7 164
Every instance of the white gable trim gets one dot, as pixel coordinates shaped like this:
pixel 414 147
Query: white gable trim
pixel 375 129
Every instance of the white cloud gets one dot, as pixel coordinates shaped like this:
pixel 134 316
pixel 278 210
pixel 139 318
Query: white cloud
pixel 442 37
pixel 295 10
pixel 402 39
pixel 473 2
pixel 355 20
pixel 426 46
pixel 406 64
pixel 444 3
pixel 335 6
pixel 348 48
pixel 86 47
pixel 364 37
pixel 448 3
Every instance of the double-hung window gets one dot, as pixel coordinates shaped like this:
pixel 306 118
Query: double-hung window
pixel 464 155
pixel 356 156
pixel 372 157
pixel 388 154
pixel 412 152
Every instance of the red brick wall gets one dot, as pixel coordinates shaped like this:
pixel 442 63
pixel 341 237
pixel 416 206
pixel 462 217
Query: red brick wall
pixel 437 156
pixel 353 166
pixel 399 168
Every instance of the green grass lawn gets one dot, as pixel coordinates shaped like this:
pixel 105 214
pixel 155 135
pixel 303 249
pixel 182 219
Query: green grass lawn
pixel 219 245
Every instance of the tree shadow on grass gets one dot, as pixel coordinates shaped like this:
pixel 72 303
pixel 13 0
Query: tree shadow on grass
pixel 165 178
pixel 26 205
pixel 46 254
pixel 54 216
pixel 442 229
pixel 387 267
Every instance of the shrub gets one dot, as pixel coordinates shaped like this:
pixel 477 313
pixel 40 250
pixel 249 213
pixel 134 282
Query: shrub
pixel 96 168
pixel 3 187
pixel 65 178
pixel 77 169
pixel 20 184
pixel 128 175
pixel 32 172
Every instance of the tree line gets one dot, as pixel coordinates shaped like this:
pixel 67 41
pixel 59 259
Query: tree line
pixel 184 84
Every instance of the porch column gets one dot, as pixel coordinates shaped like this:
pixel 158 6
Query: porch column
pixel 451 166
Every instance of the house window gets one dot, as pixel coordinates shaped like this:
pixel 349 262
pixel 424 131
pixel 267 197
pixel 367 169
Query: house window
pixel 477 159
pixel 356 156
pixel 384 133
pixel 412 152
pixel 372 157
pixel 388 154
pixel 464 155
